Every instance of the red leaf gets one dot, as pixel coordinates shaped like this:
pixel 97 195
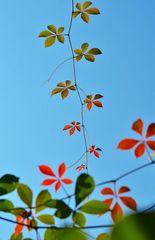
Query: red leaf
pixel 67 181
pixel 117 213
pixel 81 167
pixel 67 127
pixel 46 170
pixel 129 202
pixel 150 130
pixel 72 130
pixel 96 154
pixel 138 126
pixel 108 202
pixel 107 191
pixel 57 186
pixel 28 222
pixel 123 189
pixel 127 143
pixel 48 182
pixel 97 104
pixel 62 169
pixel 151 144
pixel 78 128
pixel 140 150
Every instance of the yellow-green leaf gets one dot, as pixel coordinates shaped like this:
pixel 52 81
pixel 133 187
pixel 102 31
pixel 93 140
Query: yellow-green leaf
pixel 68 83
pixel 95 51
pixel 45 34
pixel 56 90
pixel 61 39
pixel 79 219
pixel 75 14
pixel 103 236
pixel 89 57
pixel 72 88
pixel 84 47
pixel 85 17
pixel 60 30
pixel 78 51
pixel 94 207
pixel 41 199
pixel 93 11
pixel 50 41
pixel 46 218
pixel 64 93
pixel 52 28
pixel 78 58
pixel 25 194
pixel 86 4
pixel 78 6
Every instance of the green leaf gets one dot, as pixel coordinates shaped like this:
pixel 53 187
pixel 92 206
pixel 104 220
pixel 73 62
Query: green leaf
pixel 61 39
pixel 84 187
pixel 85 17
pixel 103 236
pixel 41 200
pixel 93 11
pixel 56 90
pixel 46 218
pixel 79 219
pixel 25 194
pixel 50 41
pixel 94 207
pixel 17 211
pixel 135 227
pixel 64 234
pixel 52 28
pixel 95 51
pixel 33 224
pixel 60 30
pixel 45 34
pixel 84 47
pixel 18 237
pixel 86 4
pixel 63 210
pixel 8 183
pixel 89 57
pixel 6 205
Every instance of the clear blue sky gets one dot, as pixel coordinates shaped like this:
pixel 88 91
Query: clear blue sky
pixel 31 121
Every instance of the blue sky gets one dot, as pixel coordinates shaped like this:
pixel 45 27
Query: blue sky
pixel 31 121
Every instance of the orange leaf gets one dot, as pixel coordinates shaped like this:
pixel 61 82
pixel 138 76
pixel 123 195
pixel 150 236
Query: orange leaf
pixel 28 222
pixel 62 169
pixel 81 167
pixel 46 170
pixel 107 191
pixel 57 186
pixel 150 130
pixel 129 202
pixel 140 150
pixel 127 143
pixel 97 104
pixel 138 126
pixel 108 202
pixel 48 182
pixel 123 189
pixel 67 181
pixel 72 130
pixel 78 128
pixel 19 228
pixel 89 105
pixel 151 144
pixel 67 127
pixel 117 213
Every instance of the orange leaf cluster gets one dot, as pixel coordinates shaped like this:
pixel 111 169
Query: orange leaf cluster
pixel 72 127
pixel 116 210
pixel 95 151
pixel 90 101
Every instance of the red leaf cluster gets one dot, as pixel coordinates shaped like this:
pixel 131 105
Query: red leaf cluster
pixel 95 151
pixel 142 144
pixel 72 127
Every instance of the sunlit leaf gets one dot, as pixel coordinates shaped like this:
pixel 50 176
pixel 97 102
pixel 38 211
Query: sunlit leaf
pixel 129 202
pixel 94 207
pixel 79 219
pixel 103 236
pixel 46 218
pixel 41 200
pixel 6 205
pixel 45 33
pixel 85 17
pixel 25 194
pixel 93 11
pixel 50 41
pixel 89 57
pixel 117 213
